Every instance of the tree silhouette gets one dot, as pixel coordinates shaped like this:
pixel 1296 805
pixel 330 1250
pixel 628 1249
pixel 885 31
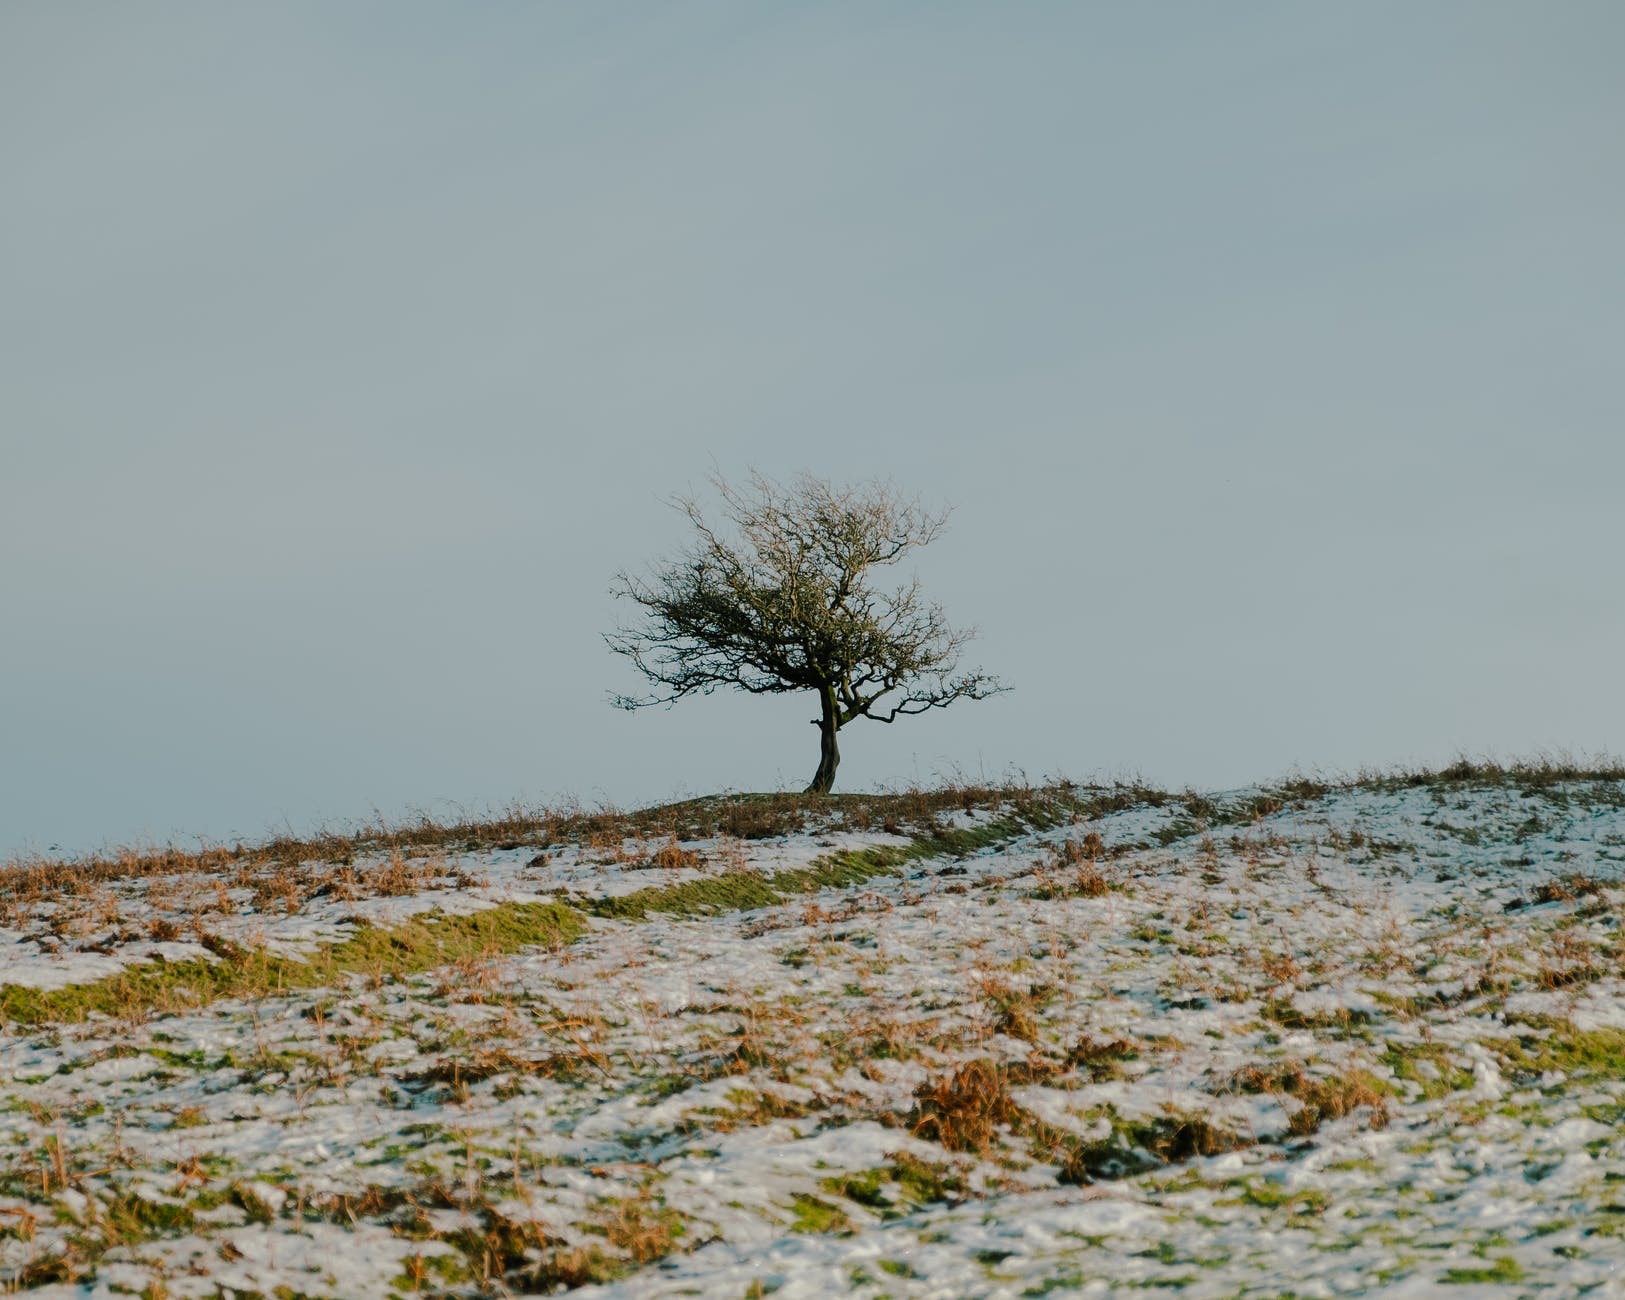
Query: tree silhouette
pixel 791 605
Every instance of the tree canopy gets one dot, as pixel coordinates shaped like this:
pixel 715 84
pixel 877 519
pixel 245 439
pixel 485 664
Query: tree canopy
pixel 788 602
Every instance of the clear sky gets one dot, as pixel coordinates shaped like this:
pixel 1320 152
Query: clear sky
pixel 1272 357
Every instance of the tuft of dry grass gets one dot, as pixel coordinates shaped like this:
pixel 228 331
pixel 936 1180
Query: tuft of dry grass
pixel 1102 1058
pixel 1073 869
pixel 1568 888
pixel 964 1109
pixel 673 856
pixel 1012 1011
pixel 640 1229
pixel 1334 1098
pixel 1570 961
pixel 1321 1097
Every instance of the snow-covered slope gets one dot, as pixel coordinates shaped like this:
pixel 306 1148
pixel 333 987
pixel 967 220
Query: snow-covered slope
pixel 1369 1040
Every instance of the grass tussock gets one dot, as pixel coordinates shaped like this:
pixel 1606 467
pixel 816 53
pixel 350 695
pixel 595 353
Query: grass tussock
pixel 1072 869
pixel 1319 1098
pixel 1568 888
pixel 963 1110
pixel 1102 1058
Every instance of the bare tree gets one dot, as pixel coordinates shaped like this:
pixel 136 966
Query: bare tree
pixel 789 606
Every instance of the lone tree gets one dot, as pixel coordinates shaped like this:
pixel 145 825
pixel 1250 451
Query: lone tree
pixel 791 606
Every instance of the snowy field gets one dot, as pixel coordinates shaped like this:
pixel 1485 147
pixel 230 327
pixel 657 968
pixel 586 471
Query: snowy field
pixel 1367 1040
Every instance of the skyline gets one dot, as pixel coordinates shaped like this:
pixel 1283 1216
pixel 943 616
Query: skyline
pixel 1267 357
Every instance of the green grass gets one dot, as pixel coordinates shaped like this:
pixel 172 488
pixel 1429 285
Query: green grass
pixel 1565 1050
pixel 419 945
pixel 896 1189
pixel 1272 1196
pixel 743 890
pixel 1501 1269
pixel 1446 1077
pixel 815 1216
pixel 379 952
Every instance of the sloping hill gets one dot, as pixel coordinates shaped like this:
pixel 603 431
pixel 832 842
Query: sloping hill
pixel 954 1043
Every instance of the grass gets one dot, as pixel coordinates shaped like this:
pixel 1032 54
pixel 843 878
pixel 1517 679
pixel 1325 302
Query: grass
pixel 749 817
pixel 1139 1144
pixel 287 873
pixel 1103 1059
pixel 1566 1050
pixel 1272 1196
pixel 897 1188
pixel 1503 1269
pixel 374 951
pixel 1540 772
pixel 737 891
pixel 1024 990
pixel 1429 1067
pixel 743 890
pixel 72 898
pixel 739 816
pixel 812 1215
pixel 1336 1097
pixel 963 1110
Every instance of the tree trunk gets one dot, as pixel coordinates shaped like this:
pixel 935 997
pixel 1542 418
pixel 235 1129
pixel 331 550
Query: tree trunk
pixel 829 757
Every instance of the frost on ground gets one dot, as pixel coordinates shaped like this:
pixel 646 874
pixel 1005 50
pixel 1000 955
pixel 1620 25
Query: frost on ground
pixel 1298 1041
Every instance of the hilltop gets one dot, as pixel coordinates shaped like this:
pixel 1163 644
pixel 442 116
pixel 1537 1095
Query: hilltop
pixel 998 1041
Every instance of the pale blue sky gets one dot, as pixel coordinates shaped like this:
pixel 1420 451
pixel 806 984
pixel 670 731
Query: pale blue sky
pixel 1270 355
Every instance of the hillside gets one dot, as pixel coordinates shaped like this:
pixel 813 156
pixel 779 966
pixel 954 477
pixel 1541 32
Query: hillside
pixel 1298 1039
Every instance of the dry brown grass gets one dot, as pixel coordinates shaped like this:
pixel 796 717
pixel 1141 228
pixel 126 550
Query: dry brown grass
pixel 1102 1058
pixel 1011 1011
pixel 1567 888
pixel 1072 869
pixel 766 1037
pixel 1570 960
pixel 674 857
pixel 1333 1098
pixel 456 1074
pixel 1279 967
pixel 37 878
pixel 963 1110
pixel 1321 1097
pixel 641 1230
